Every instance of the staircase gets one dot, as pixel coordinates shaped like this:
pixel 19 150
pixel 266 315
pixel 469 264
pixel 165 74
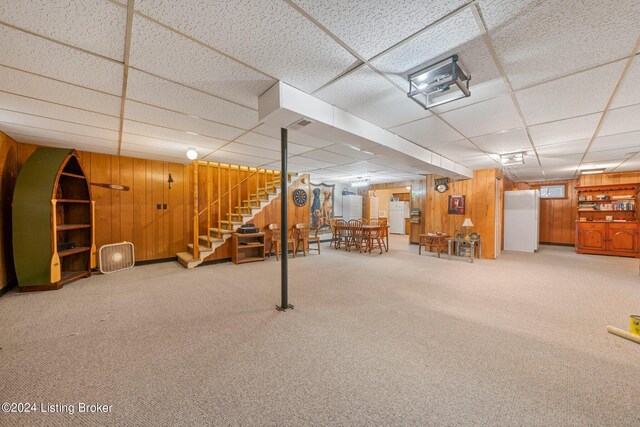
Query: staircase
pixel 217 236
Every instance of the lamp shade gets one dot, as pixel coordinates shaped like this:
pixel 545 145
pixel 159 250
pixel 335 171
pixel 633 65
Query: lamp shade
pixel 467 223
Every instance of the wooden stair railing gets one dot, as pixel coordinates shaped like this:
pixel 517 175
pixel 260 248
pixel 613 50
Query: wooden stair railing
pixel 214 208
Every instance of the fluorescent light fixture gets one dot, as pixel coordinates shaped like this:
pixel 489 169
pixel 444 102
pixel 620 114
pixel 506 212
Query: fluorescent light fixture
pixel 192 133
pixel 512 159
pixel 439 83
pixel 592 171
pixel 360 182
pixel 192 154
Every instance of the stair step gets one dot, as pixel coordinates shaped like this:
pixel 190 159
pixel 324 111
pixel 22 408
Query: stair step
pixel 233 215
pixel 214 240
pixel 220 233
pixel 204 250
pixel 263 196
pixel 251 203
pixel 187 260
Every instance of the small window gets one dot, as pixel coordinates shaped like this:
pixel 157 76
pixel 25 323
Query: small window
pixel 553 191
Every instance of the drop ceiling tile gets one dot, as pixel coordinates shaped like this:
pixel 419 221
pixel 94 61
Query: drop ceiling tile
pixel 291 167
pixel 349 151
pixel 49 137
pixel 427 132
pixel 629 91
pixel 564 148
pixel 310 163
pixel 165 134
pixel 270 36
pixel 46 109
pixel 369 29
pixel 608 155
pixel 36 55
pixel 629 141
pixel 564 130
pixel 308 140
pixel 170 55
pixel 8 117
pixel 576 95
pixel 447 36
pixel 540 40
pixel 568 162
pixel 609 165
pixel 94 25
pixel 630 165
pixel 478 162
pixel 479 92
pixel 621 120
pixel 135 146
pixel 503 142
pixel 262 141
pixel 328 156
pixel 371 97
pixel 495 115
pixel 266 155
pixel 456 150
pixel 157 116
pixel 152 90
pixel 26 84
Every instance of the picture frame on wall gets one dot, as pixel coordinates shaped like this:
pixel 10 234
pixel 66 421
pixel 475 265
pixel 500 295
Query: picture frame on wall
pixel 456 205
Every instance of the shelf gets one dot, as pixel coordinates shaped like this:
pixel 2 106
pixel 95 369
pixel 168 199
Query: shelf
pixel 73 251
pixel 68 276
pixel 249 259
pixel 620 210
pixel 605 201
pixel 250 245
pixel 72 175
pixel 606 188
pixel 73 201
pixel 65 227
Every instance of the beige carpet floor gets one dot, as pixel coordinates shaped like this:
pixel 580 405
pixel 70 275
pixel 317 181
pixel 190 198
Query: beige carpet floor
pixel 393 339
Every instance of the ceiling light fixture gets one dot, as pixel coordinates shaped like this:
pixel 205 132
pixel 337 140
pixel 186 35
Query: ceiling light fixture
pixel 512 159
pixel 432 86
pixel 360 182
pixel 192 154
pixel 192 133
pixel 591 171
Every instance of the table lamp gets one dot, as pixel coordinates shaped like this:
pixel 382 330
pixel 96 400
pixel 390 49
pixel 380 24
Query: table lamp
pixel 466 224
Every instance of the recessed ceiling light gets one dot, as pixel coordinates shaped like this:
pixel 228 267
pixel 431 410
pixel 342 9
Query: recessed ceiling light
pixel 592 171
pixel 512 159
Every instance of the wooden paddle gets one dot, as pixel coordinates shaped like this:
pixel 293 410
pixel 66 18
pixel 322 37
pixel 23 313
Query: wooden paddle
pixel 111 186
pixel 55 259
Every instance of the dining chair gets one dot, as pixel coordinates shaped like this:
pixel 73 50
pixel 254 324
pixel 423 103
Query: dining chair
pixel 384 233
pixel 356 236
pixel 342 233
pixel 304 237
pixel 274 241
pixel 374 221
pixel 374 240
pixel 334 234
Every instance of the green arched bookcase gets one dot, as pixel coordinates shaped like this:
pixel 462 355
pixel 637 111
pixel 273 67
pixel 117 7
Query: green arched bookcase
pixel 53 221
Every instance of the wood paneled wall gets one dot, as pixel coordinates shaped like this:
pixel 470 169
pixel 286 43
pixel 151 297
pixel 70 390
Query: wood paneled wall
pixel 418 194
pixel 8 175
pixel 480 197
pixel 557 216
pixel 134 215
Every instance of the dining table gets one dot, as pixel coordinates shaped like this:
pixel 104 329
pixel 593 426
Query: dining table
pixel 367 229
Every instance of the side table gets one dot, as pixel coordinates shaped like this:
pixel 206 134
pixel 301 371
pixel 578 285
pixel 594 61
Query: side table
pixel 473 243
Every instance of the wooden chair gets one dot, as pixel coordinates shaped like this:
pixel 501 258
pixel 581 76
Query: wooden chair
pixel 304 237
pixel 274 240
pixel 356 236
pixel 374 241
pixel 341 235
pixel 334 235
pixel 384 233
pixel 374 221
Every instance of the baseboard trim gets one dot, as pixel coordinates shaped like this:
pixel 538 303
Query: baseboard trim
pixel 571 245
pixel 8 288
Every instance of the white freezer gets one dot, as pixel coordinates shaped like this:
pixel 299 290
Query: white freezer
pixel 398 212
pixel 521 220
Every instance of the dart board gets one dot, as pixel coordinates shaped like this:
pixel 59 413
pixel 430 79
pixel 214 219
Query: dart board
pixel 300 197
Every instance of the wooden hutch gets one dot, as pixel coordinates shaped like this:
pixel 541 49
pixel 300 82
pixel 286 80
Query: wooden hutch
pixel 607 220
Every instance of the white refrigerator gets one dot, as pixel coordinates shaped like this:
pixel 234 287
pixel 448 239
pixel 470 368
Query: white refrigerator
pixel 351 207
pixel 521 220
pixel 398 212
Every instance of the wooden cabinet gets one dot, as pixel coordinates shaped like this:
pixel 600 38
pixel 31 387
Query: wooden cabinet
pixel 247 247
pixel 53 221
pixel 607 238
pixel 609 216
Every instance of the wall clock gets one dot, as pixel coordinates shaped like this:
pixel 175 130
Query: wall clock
pixel 441 184
pixel 299 197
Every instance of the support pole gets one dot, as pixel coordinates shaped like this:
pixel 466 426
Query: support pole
pixel 196 244
pixel 284 228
